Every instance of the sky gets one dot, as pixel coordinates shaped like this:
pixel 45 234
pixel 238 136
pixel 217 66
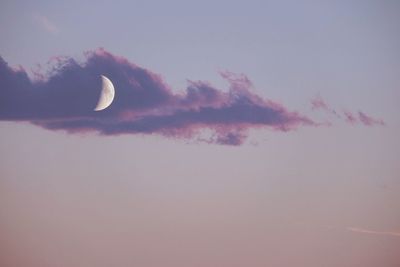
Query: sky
pixel 242 133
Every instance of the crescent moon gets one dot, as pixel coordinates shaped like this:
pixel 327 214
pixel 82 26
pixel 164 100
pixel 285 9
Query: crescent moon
pixel 106 95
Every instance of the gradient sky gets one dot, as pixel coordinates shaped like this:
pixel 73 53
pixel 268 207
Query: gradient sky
pixel 325 195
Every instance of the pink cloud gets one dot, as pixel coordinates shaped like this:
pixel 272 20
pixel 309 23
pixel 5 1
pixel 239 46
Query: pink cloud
pixel 368 120
pixel 45 23
pixel 64 99
pixel 350 118
pixel 318 103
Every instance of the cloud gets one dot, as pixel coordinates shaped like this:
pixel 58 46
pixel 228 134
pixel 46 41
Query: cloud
pixel 65 97
pixel 45 23
pixel 350 118
pixel 318 103
pixel 368 120
pixel 366 231
pixel 362 118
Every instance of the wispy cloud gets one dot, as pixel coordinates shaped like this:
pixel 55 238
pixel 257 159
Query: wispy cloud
pixel 45 23
pixel 367 231
pixel 318 103
pixel 350 118
pixel 368 120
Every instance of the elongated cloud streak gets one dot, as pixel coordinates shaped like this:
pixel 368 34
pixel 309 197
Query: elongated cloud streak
pixel 318 103
pixel 366 231
pixel 65 97
pixel 368 120
pixel 362 118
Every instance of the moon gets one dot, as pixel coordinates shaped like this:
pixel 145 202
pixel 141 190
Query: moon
pixel 106 95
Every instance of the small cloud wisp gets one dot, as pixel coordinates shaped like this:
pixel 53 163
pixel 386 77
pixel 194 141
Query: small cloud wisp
pixel 318 103
pixel 45 23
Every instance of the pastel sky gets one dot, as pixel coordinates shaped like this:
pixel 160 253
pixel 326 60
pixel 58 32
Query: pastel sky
pixel 243 133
